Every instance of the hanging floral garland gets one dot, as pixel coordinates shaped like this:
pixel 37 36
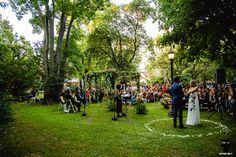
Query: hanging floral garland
pixel 221 129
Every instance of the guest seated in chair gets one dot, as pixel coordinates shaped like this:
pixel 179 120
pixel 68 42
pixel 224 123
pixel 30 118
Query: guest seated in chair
pixel 133 98
pixel 67 96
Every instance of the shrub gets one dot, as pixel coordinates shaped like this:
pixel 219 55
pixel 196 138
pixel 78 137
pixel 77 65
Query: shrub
pixel 140 106
pixel 5 106
pixel 141 109
pixel 111 106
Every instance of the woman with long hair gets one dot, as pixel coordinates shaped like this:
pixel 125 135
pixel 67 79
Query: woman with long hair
pixel 193 117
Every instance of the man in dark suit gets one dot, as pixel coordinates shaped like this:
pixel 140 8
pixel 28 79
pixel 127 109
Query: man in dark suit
pixel 177 95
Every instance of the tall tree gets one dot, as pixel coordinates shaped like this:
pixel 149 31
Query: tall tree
pixel 119 36
pixel 47 14
pixel 202 27
pixel 159 65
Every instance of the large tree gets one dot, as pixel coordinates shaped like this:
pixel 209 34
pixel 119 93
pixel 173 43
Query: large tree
pixel 202 27
pixel 59 15
pixel 118 36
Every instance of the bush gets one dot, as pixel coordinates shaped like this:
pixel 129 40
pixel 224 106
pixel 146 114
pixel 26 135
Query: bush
pixel 5 106
pixel 111 106
pixel 141 109
pixel 140 106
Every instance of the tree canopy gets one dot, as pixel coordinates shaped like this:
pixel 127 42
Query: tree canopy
pixel 20 68
pixel 55 19
pixel 203 28
pixel 118 35
pixel 95 35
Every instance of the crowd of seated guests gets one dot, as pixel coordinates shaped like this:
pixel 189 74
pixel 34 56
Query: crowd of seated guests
pixel 153 93
pixel 211 96
pixel 216 97
pixel 149 93
pixel 67 99
pixel 78 97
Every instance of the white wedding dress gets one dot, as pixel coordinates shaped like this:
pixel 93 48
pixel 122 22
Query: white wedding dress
pixel 193 117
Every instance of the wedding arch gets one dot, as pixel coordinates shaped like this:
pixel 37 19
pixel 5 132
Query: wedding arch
pixel 111 77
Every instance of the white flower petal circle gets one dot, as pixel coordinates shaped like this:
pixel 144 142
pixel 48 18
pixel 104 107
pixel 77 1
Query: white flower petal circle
pixel 223 129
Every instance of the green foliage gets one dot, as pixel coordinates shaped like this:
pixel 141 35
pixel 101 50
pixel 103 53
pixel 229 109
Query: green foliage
pixel 159 66
pixel 155 79
pixel 56 44
pixel 111 106
pixel 19 66
pixel 185 79
pixel 141 109
pixel 118 35
pixel 201 69
pixel 202 28
pixel 5 105
pixel 140 106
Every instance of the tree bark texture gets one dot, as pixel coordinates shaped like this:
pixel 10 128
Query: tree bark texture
pixel 55 56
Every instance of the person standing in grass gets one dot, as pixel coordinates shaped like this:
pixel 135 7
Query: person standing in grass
pixel 118 100
pixel 177 95
pixel 193 117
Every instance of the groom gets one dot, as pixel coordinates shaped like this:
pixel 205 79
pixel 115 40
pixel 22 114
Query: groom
pixel 177 95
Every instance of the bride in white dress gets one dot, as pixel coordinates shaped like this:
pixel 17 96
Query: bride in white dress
pixel 193 117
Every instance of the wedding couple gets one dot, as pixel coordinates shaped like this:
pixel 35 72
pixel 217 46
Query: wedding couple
pixel 177 95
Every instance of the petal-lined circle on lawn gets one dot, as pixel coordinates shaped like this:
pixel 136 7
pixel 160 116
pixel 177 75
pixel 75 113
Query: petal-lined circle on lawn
pixel 164 127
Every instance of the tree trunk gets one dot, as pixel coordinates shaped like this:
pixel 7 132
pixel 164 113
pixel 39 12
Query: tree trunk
pixel 46 60
pixel 50 86
pixel 61 76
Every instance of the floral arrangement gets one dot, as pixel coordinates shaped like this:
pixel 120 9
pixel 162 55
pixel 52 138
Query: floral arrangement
pixel 166 100
pixel 139 105
pixel 139 100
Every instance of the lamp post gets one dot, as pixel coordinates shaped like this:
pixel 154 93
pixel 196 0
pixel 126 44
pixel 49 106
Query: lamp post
pixel 171 56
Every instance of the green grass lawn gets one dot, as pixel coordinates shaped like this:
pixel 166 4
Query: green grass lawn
pixel 43 131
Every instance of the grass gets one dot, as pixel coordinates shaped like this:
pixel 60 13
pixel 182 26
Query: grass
pixel 43 131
